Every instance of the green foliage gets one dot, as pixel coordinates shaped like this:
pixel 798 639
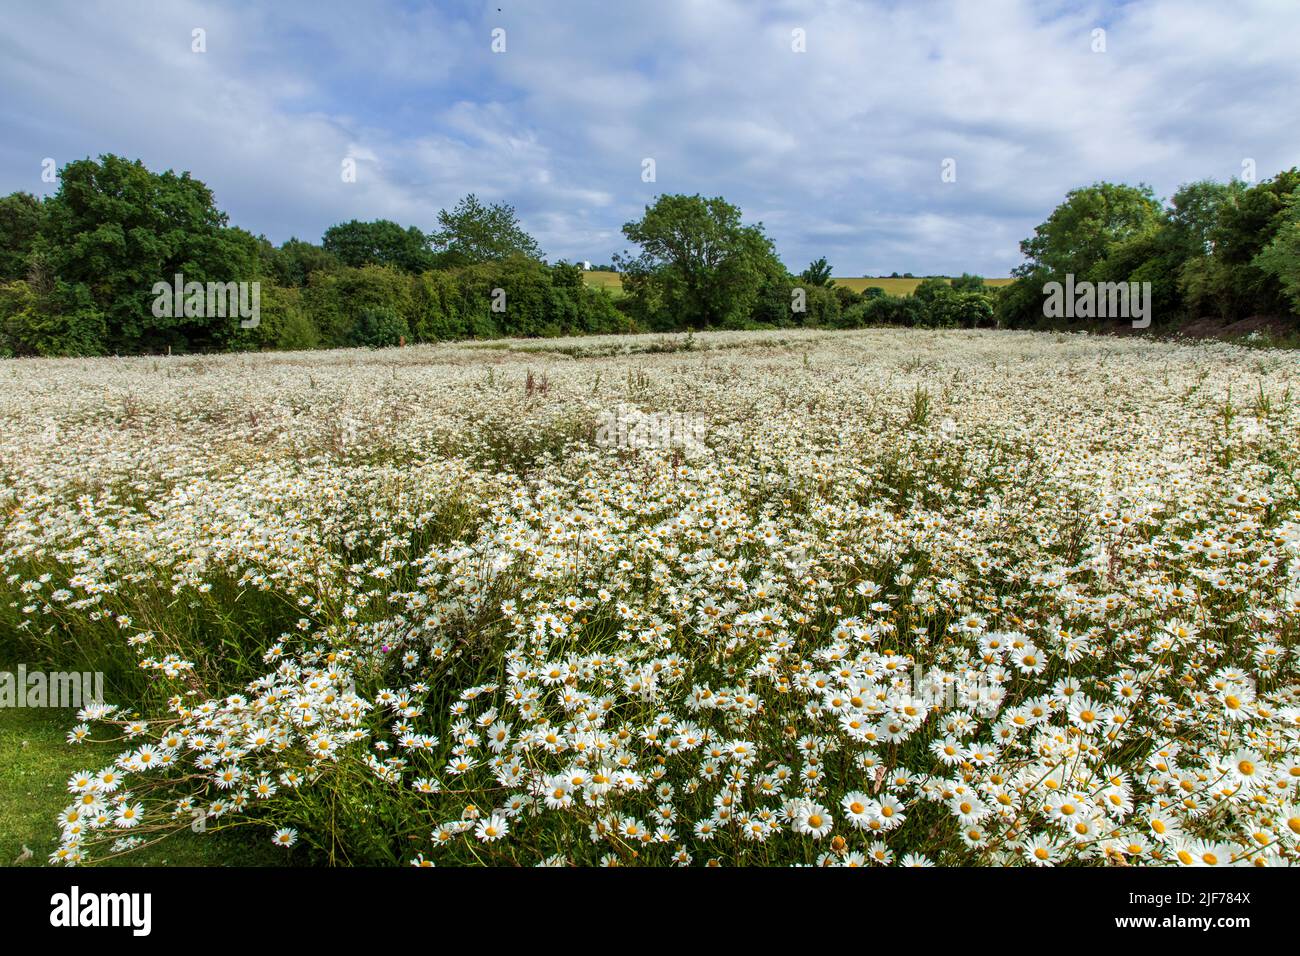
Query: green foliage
pixel 473 233
pixel 818 273
pixel 1243 229
pixel 965 310
pixel 846 296
pixel 822 307
pixel 1223 250
pixel 919 409
pixel 36 739
pixel 116 229
pixel 699 266
pixel 968 283
pixel 1281 257
pixel 950 307
pixel 378 243
pixel 1080 231
pixel 534 300
pixel 62 320
pixel 336 300
pixel 886 309
pixel 441 305
pixel 285 324
pixel 436 308
pixel 295 261
pixel 1193 213
pixel 380 327
pixel 1020 305
pixel 22 216
pixel 930 290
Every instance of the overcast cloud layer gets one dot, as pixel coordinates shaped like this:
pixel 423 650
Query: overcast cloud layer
pixel 838 150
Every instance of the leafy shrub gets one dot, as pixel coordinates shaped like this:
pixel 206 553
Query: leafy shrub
pixel 63 321
pixel 380 327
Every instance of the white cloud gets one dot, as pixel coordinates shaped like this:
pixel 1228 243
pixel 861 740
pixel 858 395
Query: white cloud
pixel 837 149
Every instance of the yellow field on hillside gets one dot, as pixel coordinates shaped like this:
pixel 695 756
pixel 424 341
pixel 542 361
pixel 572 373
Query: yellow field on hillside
pixel 610 280
pixel 603 280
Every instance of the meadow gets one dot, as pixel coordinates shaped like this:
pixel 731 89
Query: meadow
pixel 878 597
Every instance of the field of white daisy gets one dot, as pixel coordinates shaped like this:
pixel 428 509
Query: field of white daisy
pixel 879 597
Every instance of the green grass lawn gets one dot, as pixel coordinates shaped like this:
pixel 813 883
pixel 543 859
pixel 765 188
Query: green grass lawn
pixel 33 774
pixel 610 280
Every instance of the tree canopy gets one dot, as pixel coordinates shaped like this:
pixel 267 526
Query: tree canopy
pixel 471 233
pixel 699 264
pixel 114 228
pixel 1081 230
pixel 378 243
pixel 818 273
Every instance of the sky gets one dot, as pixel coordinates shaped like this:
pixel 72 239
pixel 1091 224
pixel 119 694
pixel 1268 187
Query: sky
pixel 890 136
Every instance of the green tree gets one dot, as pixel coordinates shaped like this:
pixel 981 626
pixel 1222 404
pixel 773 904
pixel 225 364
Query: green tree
pixel 929 290
pixel 886 309
pixel 1281 257
pixel 380 327
pixel 1193 214
pixel 965 310
pixel 821 307
pixel 1020 304
pixel 473 232
pixel 116 229
pixel 1080 231
pixel 960 304
pixel 288 325
pixel 818 273
pixel 1205 286
pixel 378 243
pixel 293 263
pixel 21 218
pixel 335 300
pixel 1247 223
pixel 968 283
pixel 49 320
pixel 699 266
